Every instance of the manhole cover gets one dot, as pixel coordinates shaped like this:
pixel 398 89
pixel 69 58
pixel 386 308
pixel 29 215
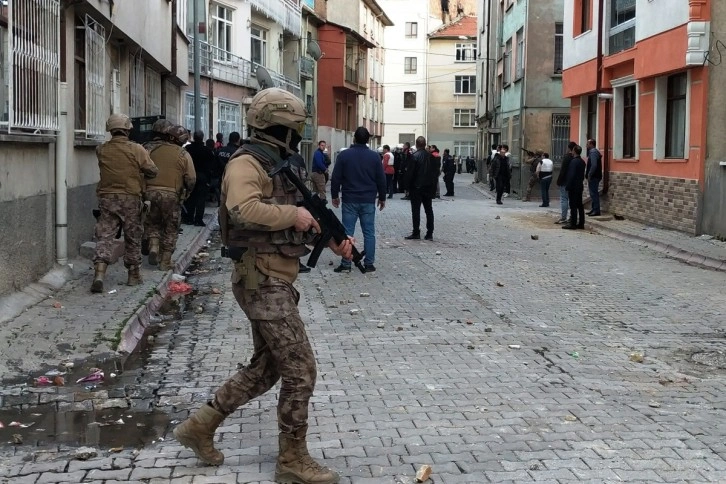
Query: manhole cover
pixel 716 359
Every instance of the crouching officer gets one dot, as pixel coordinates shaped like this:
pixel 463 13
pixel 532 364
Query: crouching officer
pixel 176 176
pixel 266 234
pixel 123 165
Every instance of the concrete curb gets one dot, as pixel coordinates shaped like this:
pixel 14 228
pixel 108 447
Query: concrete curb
pixel 138 323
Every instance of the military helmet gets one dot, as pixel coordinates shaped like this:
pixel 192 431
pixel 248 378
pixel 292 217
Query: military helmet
pixel 179 133
pixel 161 126
pixel 276 107
pixel 118 121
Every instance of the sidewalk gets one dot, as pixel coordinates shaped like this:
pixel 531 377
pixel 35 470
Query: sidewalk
pixel 701 251
pixel 73 324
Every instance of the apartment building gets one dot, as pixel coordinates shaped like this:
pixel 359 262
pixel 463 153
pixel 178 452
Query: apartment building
pixel 636 73
pixel 520 98
pixel 64 67
pixel 236 38
pixel 350 93
pixel 451 107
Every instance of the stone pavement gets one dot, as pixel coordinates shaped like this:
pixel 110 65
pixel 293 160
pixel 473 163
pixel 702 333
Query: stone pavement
pixel 490 354
pixel 74 324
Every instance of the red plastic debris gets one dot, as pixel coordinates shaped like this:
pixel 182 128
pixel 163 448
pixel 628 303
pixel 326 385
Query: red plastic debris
pixel 179 287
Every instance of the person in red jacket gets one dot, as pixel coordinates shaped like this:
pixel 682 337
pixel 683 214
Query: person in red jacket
pixel 389 169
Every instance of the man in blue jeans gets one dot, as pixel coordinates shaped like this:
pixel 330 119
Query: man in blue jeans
pixel 593 173
pixel 359 173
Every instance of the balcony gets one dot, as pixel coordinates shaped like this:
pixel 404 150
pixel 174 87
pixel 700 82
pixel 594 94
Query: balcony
pixel 283 12
pixel 282 82
pixel 222 65
pixel 307 67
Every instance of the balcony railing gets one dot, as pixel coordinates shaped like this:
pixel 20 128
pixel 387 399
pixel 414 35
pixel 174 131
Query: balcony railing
pixel 222 65
pixel 284 12
pixel 307 67
pixel 283 82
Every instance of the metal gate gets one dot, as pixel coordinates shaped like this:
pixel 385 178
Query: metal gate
pixel 560 136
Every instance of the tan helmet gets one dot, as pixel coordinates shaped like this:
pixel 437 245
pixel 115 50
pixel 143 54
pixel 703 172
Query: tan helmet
pixel 118 121
pixel 179 133
pixel 276 107
pixel 161 126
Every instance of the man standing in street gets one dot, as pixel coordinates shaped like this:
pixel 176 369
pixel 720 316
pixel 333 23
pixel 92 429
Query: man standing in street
pixel 223 155
pixel 574 184
pixel 500 172
pixel 389 169
pixel 449 169
pixel 593 173
pixel 123 165
pixel 266 234
pixel 562 182
pixel 204 161
pixel 165 192
pixel 359 173
pixel 403 173
pixel 319 176
pixel 423 176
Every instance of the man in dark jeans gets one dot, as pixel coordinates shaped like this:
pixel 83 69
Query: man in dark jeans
pixel 204 161
pixel 593 173
pixel 423 176
pixel 575 179
pixel 500 172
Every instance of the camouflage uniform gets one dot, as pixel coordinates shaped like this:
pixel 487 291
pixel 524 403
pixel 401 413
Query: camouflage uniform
pixel 123 165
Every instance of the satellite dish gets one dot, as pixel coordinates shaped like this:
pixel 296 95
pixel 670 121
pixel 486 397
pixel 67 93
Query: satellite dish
pixel 264 79
pixel 314 50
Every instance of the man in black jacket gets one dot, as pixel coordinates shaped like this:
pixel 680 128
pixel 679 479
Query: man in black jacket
pixel 449 170
pixel 204 161
pixel 500 172
pixel 575 179
pixel 561 179
pixel 422 175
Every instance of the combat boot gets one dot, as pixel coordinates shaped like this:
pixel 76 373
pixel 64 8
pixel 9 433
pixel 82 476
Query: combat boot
pixel 166 263
pixel 296 466
pixel 100 273
pixel 134 276
pixel 154 251
pixel 197 433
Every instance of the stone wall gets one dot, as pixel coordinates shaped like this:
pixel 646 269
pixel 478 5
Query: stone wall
pixel 662 201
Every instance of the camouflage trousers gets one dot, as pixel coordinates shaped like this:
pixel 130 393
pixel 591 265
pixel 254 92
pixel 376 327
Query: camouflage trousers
pixel 163 219
pixel 119 210
pixel 281 352
pixel 533 180
pixel 318 182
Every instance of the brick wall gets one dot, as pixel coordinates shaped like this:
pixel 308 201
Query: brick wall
pixel 667 202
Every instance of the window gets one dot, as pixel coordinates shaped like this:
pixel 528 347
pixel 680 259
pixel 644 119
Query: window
pixel 464 148
pixel 507 68
pixel 409 100
pixel 221 34
pixel 228 118
pixel 411 30
pixel 153 93
pixel 505 132
pixel 258 45
pixel 338 115
pixel 30 64
pixel 676 112
pixel 498 90
pixel 189 113
pixel 466 52
pixel 559 46
pixel 583 16
pixel 464 118
pixel 89 64
pixel 465 85
pixel 171 102
pixel 560 136
pixel 516 140
pixel 591 126
pixel 622 25
pixel 629 120
pixel 519 72
pixel 410 65
pixel 407 138
pixel 136 87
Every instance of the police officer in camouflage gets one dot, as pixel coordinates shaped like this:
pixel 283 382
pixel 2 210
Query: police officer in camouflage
pixel 165 192
pixel 124 165
pixel 266 234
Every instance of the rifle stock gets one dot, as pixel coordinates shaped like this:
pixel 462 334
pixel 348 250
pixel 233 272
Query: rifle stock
pixel 330 226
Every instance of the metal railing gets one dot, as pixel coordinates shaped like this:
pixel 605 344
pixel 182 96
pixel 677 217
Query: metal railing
pixel 307 67
pixel 222 65
pixel 284 12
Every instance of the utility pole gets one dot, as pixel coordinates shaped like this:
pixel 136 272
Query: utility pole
pixel 197 68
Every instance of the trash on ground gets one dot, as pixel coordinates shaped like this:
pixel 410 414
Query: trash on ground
pixel 438 252
pixel 365 294
pixel 95 375
pixel 654 404
pixel 113 291
pixel 354 311
pixel 119 422
pixel 115 450
pixel 515 347
pixel 67 364
pixel 17 439
pixel 215 290
pixel 85 453
pixel 59 381
pixel 57 305
pixel 535 237
pixel 55 373
pixel 381 325
pixel 112 375
pixel 21 425
pixel 178 278
pixel 570 418
pixel 179 287
pixel 487 330
pixel 636 357
pixel 574 354
pixel 43 380
pixel 497 217
pixel 423 473
pixel 469 321
pixel 500 284
pixel 198 310
pixel 399 328
pixel 471 347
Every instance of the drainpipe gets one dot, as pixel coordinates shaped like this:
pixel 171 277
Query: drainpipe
pixel 608 103
pixel 61 186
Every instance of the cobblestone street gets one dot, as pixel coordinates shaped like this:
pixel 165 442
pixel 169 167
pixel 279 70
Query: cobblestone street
pixel 506 350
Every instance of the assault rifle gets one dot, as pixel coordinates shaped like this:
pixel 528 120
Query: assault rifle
pixel 330 226
pixel 529 153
